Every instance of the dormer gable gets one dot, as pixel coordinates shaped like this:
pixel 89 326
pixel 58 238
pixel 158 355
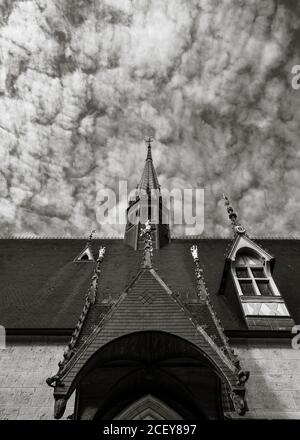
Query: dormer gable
pixel 86 255
pixel 248 280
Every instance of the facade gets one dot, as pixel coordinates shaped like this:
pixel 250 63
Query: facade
pixel 149 326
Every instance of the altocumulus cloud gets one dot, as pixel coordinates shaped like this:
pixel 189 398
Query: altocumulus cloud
pixel 83 82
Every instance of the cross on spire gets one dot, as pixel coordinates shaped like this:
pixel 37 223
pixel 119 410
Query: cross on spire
pixel 148 143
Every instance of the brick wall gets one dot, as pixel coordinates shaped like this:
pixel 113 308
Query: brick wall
pixel 273 389
pixel 24 367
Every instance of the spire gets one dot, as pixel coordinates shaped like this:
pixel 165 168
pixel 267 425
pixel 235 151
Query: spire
pixel 149 179
pixel 148 142
pixel 237 227
pixel 147 205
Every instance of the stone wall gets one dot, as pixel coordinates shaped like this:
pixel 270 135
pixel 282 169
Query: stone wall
pixel 24 367
pixel 273 389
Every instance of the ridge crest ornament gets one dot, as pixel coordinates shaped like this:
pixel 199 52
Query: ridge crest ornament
pixel 148 248
pixel 237 227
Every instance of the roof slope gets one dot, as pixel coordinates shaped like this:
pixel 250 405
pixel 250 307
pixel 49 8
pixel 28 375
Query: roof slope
pixel 149 305
pixel 42 287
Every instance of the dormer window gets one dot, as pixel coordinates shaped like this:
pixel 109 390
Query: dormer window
pixel 252 274
pixel 259 295
pixel 251 269
pixel 86 255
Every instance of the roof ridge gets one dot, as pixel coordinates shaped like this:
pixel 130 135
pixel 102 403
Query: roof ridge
pixel 173 237
pixel 49 237
pixel 216 237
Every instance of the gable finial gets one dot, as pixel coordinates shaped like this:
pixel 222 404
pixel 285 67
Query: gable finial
pixel 91 235
pixel 237 227
pixel 148 249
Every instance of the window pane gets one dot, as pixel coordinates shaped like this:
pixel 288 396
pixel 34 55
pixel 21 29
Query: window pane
pixel 242 272
pixel 253 260
pixel 258 273
pixel 247 259
pixel 247 288
pixel 240 260
pixel 264 288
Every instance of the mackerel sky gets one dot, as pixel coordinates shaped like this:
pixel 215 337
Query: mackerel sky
pixel 82 83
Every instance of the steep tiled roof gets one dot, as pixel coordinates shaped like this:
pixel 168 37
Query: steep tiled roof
pixel 149 305
pixel 43 288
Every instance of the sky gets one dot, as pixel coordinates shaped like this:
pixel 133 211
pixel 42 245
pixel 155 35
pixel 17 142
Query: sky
pixel 82 83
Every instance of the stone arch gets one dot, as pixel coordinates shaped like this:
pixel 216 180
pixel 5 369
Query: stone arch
pixel 148 408
pixel 165 366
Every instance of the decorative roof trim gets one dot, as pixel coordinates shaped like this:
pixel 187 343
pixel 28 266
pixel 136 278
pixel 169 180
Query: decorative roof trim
pixel 222 237
pixel 49 237
pixel 234 376
pixel 249 244
pixel 90 299
pixel 173 237
pixel 236 225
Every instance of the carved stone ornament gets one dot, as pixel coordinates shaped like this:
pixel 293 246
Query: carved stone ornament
pixel 53 381
pixel 243 376
pixel 238 401
pixel 237 227
pixel 101 252
pixel 59 407
pixel 148 249
pixel 194 252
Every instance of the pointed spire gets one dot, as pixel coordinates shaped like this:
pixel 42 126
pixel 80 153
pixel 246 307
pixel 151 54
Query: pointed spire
pixel 237 227
pixel 148 142
pixel 149 179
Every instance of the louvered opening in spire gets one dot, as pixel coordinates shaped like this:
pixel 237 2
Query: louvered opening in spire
pixel 149 179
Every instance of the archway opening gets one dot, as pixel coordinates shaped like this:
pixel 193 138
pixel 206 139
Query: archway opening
pixel 149 374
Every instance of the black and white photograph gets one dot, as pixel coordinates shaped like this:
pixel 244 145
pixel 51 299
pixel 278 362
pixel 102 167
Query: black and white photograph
pixel 149 213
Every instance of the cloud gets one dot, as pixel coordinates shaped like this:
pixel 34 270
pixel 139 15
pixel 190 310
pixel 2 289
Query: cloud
pixel 82 83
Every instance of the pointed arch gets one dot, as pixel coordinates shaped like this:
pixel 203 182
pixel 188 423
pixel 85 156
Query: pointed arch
pixel 148 408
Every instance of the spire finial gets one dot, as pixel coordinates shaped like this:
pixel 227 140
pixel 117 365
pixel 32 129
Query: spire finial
pixel 148 143
pixel 148 249
pixel 237 227
pixel 91 235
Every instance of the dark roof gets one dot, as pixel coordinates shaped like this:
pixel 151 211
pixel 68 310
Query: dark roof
pixel 43 288
pixel 148 305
